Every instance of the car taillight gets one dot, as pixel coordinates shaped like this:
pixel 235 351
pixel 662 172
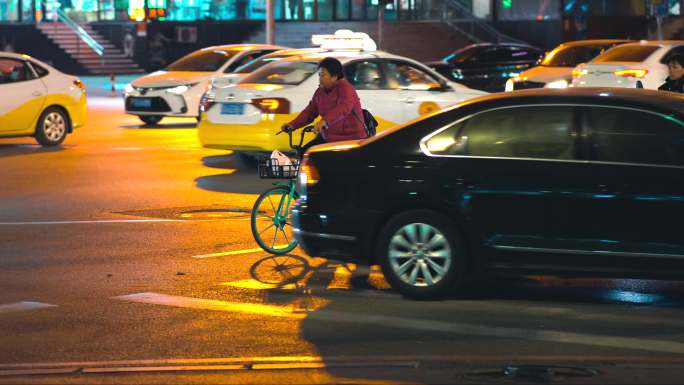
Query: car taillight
pixel 78 83
pixel 640 73
pixel 578 72
pixel 272 105
pixel 207 101
pixel 308 174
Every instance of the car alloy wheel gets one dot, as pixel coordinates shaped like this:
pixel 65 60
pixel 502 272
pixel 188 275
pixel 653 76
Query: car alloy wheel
pixel 422 254
pixel 52 127
pixel 419 254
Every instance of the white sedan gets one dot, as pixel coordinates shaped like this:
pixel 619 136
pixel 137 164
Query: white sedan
pixel 176 90
pixel 245 117
pixel 38 100
pixel 633 65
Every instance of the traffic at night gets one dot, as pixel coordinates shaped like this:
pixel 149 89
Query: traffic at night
pixel 341 191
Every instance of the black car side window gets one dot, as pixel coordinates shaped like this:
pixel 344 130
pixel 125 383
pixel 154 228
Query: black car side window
pixel 520 132
pixel 630 136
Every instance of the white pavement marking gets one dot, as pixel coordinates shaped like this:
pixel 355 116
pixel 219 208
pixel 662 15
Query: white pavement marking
pixel 236 252
pixel 23 306
pixel 631 343
pixel 208 304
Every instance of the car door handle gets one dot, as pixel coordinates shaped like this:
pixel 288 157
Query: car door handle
pixel 409 100
pixel 37 93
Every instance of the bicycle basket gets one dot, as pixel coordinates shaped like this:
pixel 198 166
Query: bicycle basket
pixel 269 168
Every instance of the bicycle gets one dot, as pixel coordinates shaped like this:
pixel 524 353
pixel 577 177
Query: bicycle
pixel 268 216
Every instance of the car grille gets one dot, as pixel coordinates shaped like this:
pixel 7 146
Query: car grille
pixel 526 85
pixel 158 105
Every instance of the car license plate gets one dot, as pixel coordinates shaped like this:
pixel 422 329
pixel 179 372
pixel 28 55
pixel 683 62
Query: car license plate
pixel 232 108
pixel 141 102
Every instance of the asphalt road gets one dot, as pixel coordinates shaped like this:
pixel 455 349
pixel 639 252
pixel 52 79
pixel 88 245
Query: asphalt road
pixel 126 257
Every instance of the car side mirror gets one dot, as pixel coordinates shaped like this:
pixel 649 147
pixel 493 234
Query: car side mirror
pixel 441 87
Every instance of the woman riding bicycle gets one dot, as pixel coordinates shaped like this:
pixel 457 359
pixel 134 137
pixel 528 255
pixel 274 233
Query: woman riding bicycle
pixel 338 105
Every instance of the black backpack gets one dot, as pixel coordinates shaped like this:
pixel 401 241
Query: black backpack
pixel 369 122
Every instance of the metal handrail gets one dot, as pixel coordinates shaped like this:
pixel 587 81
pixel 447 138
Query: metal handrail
pixel 460 18
pixel 78 30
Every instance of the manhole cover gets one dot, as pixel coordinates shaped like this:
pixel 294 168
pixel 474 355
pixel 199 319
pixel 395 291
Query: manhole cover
pixel 190 213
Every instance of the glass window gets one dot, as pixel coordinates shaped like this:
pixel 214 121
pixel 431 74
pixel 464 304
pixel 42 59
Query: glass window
pixel 39 70
pixel 405 76
pixel 342 10
pixel 505 54
pixel 528 9
pixel 365 75
pixel 9 10
pixel 674 51
pixel 462 55
pixel 292 73
pixel 259 62
pixel 202 61
pixel 247 59
pixel 629 53
pixel 524 132
pixel 14 71
pixel 572 56
pixel 629 136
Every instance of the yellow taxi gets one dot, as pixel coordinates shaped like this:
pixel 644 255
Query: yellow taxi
pixel 245 117
pixel 38 100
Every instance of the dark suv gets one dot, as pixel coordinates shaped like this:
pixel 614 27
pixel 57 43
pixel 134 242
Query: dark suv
pixel 487 66
pixel 565 182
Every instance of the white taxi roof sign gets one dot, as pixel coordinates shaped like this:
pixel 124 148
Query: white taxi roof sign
pixel 345 39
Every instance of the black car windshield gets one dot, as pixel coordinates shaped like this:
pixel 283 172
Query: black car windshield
pixel 258 63
pixel 288 72
pixel 202 61
pixel 462 55
pixel 572 56
pixel 627 53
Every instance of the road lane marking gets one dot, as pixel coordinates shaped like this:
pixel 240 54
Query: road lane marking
pixel 23 306
pixel 632 343
pixel 207 304
pixel 236 252
pixel 635 359
pixel 114 221
pixel 253 284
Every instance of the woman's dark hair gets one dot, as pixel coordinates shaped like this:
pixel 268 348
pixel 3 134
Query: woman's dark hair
pixel 677 58
pixel 333 66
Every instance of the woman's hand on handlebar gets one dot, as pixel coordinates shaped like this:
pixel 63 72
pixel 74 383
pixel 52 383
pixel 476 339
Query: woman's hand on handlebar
pixel 286 128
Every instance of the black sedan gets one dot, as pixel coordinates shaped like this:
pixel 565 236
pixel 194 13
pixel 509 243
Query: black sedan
pixel 564 182
pixel 487 66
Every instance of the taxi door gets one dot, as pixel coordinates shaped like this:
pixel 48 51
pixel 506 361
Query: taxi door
pixel 368 78
pixel 23 96
pixel 418 91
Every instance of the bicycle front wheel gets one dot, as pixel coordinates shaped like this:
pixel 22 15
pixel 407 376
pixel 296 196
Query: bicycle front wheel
pixel 272 220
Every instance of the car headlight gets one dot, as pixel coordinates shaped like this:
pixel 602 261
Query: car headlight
pixel 557 84
pixel 509 85
pixel 129 88
pixel 178 90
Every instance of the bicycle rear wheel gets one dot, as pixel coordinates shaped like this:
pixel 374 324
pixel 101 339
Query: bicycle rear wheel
pixel 272 221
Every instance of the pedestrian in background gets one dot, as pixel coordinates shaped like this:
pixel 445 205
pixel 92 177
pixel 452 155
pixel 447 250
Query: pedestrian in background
pixel 675 80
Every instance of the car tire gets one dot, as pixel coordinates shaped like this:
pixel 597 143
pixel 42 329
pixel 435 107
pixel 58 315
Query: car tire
pixel 422 254
pixel 150 120
pixel 52 127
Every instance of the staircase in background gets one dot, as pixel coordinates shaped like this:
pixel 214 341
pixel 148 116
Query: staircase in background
pixel 112 60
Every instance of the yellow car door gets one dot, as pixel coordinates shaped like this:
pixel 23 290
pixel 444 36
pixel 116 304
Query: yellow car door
pixel 23 96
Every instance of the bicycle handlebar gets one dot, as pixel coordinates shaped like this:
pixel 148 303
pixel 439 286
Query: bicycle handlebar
pixel 301 136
